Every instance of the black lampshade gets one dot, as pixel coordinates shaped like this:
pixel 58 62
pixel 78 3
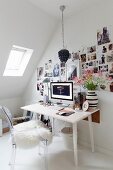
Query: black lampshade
pixel 63 55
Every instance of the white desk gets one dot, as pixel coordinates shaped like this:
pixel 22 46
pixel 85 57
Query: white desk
pixel 74 118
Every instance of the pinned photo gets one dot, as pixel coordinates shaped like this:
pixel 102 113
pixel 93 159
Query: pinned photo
pixel 102 59
pixel 92 57
pixel 109 57
pixel 91 63
pixel 75 56
pixel 83 57
pixel 85 65
pixel 95 63
pixel 91 49
pixel 110 47
pixel 62 64
pixel 63 72
pixel 56 70
pixel 72 72
pixel 95 69
pixel 103 36
pixel 111 69
pixel 39 72
pixel 104 50
pixel 103 68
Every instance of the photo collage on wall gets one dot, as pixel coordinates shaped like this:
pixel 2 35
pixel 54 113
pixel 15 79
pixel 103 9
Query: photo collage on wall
pixel 99 57
pixel 57 72
pixel 89 59
pixel 46 74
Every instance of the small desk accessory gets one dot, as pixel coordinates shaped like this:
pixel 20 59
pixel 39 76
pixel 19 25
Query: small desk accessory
pixel 85 106
pixel 65 112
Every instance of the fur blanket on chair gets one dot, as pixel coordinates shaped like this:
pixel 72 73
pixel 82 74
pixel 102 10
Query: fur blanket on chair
pixel 29 134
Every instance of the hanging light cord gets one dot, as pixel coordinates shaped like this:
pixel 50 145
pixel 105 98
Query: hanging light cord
pixel 62 9
pixel 62 29
pixel 63 53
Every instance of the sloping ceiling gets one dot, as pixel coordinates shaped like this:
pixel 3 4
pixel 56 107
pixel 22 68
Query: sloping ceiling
pixel 72 6
pixel 31 24
pixel 23 24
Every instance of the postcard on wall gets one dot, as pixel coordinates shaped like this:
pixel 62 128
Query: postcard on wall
pixel 101 53
pixel 91 57
pixel 91 49
pixel 83 58
pixel 109 57
pixel 72 72
pixel 62 64
pixel 63 74
pixel 75 56
pixel 103 36
pixel 56 70
pixel 39 72
pixel 110 46
pixel 111 68
pixel 73 69
pixel 48 69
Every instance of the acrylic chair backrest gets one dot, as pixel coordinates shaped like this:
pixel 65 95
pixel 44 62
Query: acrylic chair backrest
pixel 29 114
pixel 7 115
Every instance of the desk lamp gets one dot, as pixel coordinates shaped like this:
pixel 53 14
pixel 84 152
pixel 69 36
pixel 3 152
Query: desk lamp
pixel 47 80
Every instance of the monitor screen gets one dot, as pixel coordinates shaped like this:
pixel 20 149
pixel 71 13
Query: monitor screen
pixel 62 90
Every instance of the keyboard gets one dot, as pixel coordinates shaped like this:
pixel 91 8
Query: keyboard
pixel 57 107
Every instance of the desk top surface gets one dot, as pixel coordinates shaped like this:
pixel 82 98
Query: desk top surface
pixel 53 112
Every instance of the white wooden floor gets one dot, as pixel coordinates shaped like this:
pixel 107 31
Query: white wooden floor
pixel 59 158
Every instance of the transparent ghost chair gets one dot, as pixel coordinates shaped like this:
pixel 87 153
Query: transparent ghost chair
pixel 27 135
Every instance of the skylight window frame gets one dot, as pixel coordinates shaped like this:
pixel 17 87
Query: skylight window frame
pixel 11 70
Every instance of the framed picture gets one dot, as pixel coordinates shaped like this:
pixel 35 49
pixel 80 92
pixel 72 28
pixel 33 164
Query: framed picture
pixel 73 70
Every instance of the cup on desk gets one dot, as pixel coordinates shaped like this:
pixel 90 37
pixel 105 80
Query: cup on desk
pixel 45 99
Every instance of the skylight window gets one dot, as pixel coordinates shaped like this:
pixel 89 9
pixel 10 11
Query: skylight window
pixel 17 61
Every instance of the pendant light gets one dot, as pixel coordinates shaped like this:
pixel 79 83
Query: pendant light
pixel 63 53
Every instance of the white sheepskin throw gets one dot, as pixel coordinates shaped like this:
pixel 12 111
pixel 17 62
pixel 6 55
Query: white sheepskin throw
pixel 45 134
pixel 26 125
pixel 29 134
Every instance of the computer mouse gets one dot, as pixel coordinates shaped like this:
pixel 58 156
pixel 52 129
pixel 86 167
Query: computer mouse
pixel 62 113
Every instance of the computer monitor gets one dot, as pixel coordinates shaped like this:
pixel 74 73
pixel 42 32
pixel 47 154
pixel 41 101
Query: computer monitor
pixel 61 90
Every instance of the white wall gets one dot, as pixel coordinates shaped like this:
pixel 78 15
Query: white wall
pixel 22 24
pixel 13 104
pixel 80 31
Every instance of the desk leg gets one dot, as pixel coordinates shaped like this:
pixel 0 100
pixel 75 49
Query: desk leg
pixel 75 144
pixel 53 132
pixel 91 132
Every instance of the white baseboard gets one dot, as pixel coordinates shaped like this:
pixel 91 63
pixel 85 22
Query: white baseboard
pixel 97 148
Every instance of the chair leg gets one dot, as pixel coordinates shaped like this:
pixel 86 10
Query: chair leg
pixel 39 152
pixel 45 155
pixel 13 156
